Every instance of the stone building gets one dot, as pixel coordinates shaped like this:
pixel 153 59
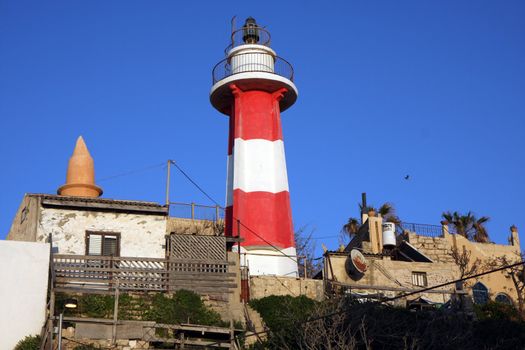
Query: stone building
pixel 422 256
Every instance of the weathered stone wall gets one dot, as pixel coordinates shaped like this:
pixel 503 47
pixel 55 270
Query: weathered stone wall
pixel 263 286
pixel 440 249
pixel 436 248
pixel 24 224
pixel 141 235
pixel 120 344
pixel 189 226
pixel 384 272
pixel 230 307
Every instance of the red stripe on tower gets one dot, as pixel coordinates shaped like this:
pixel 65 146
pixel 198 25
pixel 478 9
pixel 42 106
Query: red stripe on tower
pixel 253 93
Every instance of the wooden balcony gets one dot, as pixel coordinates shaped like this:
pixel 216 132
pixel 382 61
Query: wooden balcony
pixel 103 274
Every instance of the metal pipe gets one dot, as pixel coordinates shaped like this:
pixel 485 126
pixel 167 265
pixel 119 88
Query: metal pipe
pixel 60 319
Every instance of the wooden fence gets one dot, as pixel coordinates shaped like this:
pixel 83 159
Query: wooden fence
pixel 100 274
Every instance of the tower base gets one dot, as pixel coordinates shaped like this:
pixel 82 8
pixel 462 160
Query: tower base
pixel 268 261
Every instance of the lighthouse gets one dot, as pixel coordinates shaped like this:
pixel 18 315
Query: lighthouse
pixel 252 86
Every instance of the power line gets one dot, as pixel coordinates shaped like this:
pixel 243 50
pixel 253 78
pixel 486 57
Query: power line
pixel 269 243
pixel 131 172
pixel 194 183
pixel 235 218
pixel 424 289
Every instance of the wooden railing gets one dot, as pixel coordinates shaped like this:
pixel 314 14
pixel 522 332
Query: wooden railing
pixel 103 273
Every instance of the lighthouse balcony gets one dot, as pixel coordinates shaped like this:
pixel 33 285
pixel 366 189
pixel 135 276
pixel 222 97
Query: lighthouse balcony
pixel 252 67
pixel 252 62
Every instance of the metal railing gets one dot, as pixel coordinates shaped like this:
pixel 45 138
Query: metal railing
pixel 254 35
pixel 422 229
pixel 252 62
pixel 196 211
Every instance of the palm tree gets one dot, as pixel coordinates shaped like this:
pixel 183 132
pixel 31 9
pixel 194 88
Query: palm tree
pixel 387 212
pixel 481 234
pixel 468 225
pixel 351 227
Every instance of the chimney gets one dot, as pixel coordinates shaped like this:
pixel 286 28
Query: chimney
pixel 514 236
pixel 80 178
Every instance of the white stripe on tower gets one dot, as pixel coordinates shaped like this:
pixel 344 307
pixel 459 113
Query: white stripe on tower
pixel 229 181
pixel 259 166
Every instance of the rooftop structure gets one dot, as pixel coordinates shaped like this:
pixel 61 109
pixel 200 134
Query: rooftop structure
pixel 80 178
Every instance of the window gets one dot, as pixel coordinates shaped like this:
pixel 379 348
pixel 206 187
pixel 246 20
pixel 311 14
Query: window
pixel 419 279
pixel 480 293
pixel 102 243
pixel 503 298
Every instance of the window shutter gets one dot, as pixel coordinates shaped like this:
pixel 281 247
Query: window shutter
pixel 95 245
pixel 110 246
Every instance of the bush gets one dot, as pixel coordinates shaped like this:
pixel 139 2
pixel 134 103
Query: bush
pixel 183 307
pixel 29 343
pixel 375 326
pixel 498 311
pixel 281 314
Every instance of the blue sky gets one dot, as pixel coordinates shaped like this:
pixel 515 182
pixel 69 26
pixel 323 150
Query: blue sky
pixel 434 89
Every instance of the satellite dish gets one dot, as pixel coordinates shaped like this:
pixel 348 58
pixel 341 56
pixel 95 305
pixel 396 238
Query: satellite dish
pixel 356 264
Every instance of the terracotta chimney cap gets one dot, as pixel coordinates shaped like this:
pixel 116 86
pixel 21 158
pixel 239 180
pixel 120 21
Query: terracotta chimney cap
pixel 80 178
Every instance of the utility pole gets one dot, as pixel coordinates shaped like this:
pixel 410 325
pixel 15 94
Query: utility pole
pixel 168 183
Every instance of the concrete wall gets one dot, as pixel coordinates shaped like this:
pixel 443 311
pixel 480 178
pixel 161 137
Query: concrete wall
pixel 263 286
pixel 24 277
pixel 141 235
pixel 24 224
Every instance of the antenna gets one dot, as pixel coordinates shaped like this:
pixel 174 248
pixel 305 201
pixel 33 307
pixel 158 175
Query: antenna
pixel 233 23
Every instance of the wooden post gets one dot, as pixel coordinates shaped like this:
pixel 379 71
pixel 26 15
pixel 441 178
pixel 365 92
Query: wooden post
pixel 216 213
pixel 232 335
pixel 182 340
pixel 304 264
pixel 115 314
pixel 239 229
pixel 193 211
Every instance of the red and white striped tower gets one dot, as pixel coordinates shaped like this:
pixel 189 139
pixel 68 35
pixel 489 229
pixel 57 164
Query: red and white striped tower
pixel 252 85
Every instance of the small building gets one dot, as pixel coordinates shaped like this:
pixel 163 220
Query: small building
pixel 422 256
pixel 107 246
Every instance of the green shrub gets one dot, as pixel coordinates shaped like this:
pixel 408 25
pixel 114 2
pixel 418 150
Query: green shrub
pixel 29 343
pixel 498 311
pixel 183 306
pixel 97 306
pixel 281 314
